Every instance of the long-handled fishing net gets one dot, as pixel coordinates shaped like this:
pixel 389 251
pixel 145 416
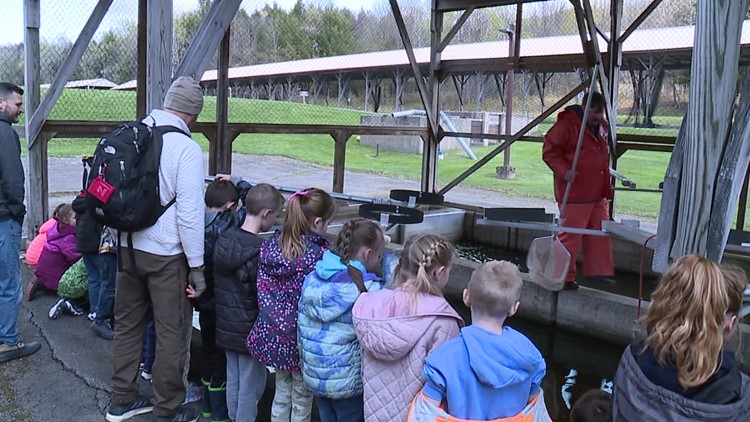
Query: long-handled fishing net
pixel 548 259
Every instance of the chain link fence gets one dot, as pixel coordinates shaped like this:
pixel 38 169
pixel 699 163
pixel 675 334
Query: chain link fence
pixel 318 63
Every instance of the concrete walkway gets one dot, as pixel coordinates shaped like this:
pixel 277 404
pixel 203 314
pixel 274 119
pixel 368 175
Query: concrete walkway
pixel 68 379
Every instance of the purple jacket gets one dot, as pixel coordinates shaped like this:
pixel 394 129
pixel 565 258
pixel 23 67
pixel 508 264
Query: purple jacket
pixel 273 338
pixel 395 341
pixel 58 255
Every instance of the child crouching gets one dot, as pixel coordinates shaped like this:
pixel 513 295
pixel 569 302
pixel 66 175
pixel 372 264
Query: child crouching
pixel 330 352
pixel 490 371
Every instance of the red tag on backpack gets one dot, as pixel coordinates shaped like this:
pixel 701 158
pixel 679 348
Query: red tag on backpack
pixel 100 189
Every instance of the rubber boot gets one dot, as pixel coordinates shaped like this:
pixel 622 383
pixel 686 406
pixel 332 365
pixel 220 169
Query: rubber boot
pixel 206 412
pixel 219 411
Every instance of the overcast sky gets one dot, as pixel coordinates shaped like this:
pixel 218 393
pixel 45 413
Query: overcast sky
pixel 65 18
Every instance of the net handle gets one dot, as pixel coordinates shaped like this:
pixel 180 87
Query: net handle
pixel 581 133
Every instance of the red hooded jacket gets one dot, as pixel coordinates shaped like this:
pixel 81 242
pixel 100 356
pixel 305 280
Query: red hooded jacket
pixel 592 182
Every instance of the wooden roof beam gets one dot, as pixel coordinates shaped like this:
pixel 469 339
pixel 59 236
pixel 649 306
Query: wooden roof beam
pixel 208 38
pixel 66 71
pixel 454 5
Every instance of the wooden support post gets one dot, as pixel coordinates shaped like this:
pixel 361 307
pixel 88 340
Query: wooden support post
pixel 432 145
pixel 615 62
pixel 38 193
pixel 159 52
pixel 604 80
pixel 207 39
pixel 339 159
pixel 510 86
pixel 140 89
pixel 615 58
pixel 669 199
pixel 220 151
pixel 418 77
pixel 713 89
pixel 742 211
pixel 457 27
pixel 36 169
pixel 734 165
pixel 40 115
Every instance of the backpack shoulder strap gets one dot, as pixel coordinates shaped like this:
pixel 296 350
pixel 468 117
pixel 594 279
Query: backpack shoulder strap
pixel 169 129
pixel 158 143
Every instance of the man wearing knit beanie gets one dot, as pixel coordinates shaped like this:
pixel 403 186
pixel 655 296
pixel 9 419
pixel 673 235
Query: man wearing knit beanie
pixel 169 259
pixel 184 96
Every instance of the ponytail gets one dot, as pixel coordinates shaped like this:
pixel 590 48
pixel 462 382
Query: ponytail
pixel 688 308
pixel 62 214
pixel 56 212
pixel 304 207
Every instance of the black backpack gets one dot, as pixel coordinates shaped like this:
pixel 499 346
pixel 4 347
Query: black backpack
pixel 122 189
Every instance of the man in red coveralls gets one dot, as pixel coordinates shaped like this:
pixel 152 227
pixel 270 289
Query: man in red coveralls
pixel 588 203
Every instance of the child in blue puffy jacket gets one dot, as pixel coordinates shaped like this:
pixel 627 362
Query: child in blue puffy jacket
pixel 330 352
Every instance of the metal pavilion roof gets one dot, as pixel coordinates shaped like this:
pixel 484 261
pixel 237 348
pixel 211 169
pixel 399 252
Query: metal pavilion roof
pixel 551 54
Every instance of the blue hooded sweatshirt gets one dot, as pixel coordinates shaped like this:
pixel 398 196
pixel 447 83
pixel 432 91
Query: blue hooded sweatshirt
pixel 480 375
pixel 330 352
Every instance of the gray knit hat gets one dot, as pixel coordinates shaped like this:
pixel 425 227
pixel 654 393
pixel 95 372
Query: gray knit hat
pixel 185 95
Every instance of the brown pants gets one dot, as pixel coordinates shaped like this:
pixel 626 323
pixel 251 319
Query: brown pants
pixel 161 280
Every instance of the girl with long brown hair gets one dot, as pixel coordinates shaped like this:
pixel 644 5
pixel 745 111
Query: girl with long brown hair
pixel 683 369
pixel 285 259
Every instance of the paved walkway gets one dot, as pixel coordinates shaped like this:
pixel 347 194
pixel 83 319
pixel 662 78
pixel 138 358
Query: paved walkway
pixel 65 181
pixel 68 379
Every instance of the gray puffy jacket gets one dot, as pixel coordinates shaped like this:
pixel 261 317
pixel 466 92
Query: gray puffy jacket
pixel 636 398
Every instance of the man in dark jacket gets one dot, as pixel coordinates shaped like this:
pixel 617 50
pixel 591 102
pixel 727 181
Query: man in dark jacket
pixel 12 211
pixel 591 190
pixel 236 267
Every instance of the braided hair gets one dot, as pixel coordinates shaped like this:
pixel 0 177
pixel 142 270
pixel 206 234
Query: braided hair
pixel 423 253
pixel 354 235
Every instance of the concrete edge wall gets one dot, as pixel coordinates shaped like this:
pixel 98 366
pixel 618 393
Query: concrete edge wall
pixel 586 311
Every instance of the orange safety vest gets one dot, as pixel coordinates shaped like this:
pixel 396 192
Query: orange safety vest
pixel 425 410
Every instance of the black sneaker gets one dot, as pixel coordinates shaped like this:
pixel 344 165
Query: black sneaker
pixel 125 411
pixel 103 329
pixel 9 352
pixel 72 309
pixel 571 285
pixel 184 413
pixel 57 309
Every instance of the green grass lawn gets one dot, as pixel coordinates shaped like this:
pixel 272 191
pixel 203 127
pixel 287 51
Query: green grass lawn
pixel 533 177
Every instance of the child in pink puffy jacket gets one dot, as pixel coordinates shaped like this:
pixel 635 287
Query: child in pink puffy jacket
pixel 59 252
pixel 398 327
pixel 34 251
